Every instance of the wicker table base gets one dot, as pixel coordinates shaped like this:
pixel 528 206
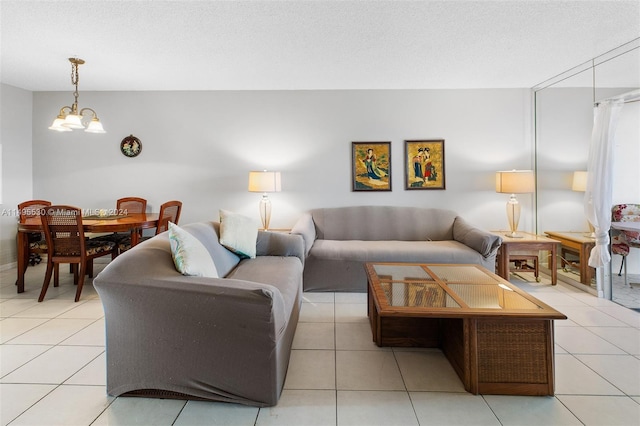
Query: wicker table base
pixel 492 352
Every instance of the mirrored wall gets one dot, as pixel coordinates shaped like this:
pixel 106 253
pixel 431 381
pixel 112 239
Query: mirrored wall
pixel 563 124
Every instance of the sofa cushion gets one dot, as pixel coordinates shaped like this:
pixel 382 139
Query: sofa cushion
pixel 395 251
pixel 377 223
pixel 208 232
pixel 189 255
pixel 238 233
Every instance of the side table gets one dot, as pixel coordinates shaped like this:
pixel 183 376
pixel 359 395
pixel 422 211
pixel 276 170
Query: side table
pixel 580 244
pixel 527 241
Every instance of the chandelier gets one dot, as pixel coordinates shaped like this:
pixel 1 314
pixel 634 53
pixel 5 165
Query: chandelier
pixel 70 117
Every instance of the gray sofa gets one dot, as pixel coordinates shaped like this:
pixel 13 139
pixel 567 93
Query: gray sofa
pixel 338 241
pixel 221 339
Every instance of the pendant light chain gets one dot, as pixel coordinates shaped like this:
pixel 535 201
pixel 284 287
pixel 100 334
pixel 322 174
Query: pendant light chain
pixel 70 117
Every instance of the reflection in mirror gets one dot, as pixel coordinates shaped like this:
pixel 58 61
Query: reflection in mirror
pixel 563 125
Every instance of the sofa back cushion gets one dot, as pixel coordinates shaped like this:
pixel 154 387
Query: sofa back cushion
pixel 379 223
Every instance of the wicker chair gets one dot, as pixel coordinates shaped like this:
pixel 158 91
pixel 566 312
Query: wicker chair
pixel 169 212
pixel 37 242
pixel 67 244
pixel 622 241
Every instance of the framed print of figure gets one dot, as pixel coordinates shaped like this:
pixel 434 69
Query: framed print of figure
pixel 424 164
pixel 371 166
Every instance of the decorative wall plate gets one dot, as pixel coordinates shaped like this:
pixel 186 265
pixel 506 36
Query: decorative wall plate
pixel 131 146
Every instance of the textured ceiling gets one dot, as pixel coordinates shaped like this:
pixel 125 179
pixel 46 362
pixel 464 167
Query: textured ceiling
pixel 228 45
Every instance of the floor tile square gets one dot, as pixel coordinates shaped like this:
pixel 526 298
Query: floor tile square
pixel 603 410
pixel 311 369
pixel 573 377
pixel 301 408
pixel 204 413
pixel 626 338
pixel 428 371
pixel 318 297
pixel 356 336
pixel 443 408
pixel 67 405
pixel 15 356
pixel 51 332
pixel 314 335
pixel 54 366
pixel 352 312
pixel 317 312
pixel 360 298
pixel 579 340
pixel 590 317
pixel 530 410
pixel 10 328
pixel 140 411
pixel 17 398
pixel 623 371
pixel 90 309
pixel 92 335
pixel 94 373
pixel 375 408
pixel 15 306
pixel 367 370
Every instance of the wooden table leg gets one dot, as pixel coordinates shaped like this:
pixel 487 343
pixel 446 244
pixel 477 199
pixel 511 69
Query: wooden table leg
pixel 503 262
pixel 554 265
pixel 22 242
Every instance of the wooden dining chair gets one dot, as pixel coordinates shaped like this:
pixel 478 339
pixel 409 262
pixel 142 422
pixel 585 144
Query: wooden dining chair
pixel 125 206
pixel 66 243
pixel 37 243
pixel 169 212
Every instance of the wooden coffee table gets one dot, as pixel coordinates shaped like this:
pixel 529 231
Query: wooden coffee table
pixel 498 338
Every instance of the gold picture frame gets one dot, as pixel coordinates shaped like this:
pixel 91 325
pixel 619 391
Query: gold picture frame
pixel 424 164
pixel 371 166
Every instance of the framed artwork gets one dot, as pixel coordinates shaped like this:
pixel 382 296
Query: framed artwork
pixel 130 146
pixel 371 166
pixel 424 164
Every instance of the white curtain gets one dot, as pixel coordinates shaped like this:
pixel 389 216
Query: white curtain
pixel 597 198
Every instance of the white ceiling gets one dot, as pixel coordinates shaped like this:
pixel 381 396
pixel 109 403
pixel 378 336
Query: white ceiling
pixel 246 45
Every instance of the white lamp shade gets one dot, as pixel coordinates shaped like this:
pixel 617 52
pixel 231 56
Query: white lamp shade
pixel 95 126
pixel 579 181
pixel 265 181
pixel 58 127
pixel 515 182
pixel 73 121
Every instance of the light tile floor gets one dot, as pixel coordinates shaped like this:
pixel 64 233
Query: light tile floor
pixel 52 369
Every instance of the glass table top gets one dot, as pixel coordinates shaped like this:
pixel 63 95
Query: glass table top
pixel 448 286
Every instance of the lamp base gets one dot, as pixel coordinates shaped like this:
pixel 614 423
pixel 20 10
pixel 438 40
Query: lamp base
pixel 513 216
pixel 265 211
pixel 513 235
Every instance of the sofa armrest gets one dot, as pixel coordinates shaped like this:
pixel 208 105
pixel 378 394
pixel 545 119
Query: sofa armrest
pixel 206 337
pixel 279 244
pixel 485 243
pixel 307 229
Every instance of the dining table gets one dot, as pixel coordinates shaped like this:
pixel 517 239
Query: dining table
pixel 132 222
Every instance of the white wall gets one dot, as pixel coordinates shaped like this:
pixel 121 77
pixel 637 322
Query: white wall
pixel 16 181
pixel 198 147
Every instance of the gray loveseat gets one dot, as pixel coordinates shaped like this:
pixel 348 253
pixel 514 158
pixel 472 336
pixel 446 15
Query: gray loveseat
pixel 338 241
pixel 222 339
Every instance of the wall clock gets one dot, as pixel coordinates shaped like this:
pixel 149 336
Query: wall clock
pixel 130 146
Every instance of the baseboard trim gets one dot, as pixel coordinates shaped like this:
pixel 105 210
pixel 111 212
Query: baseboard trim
pixel 8 266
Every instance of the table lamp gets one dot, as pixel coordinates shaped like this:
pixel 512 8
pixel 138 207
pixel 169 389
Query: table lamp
pixel 514 182
pixel 265 182
pixel 579 184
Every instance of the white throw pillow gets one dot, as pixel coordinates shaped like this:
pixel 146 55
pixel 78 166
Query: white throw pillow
pixel 238 233
pixel 190 256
